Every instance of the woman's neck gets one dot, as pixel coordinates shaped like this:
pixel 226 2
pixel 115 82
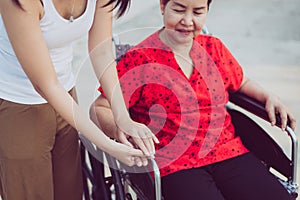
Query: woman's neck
pixel 183 48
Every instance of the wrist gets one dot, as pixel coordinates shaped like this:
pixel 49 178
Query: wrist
pixel 109 146
pixel 123 120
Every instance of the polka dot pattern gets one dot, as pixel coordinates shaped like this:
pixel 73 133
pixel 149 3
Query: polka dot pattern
pixel 158 94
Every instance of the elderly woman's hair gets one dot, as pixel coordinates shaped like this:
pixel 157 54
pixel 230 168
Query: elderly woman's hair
pixel 208 2
pixel 122 5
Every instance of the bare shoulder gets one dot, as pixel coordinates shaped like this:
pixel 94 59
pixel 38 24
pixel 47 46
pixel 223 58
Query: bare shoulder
pixel 13 7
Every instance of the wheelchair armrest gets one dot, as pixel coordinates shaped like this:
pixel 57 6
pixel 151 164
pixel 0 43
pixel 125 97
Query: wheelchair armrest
pixel 257 108
pixel 252 105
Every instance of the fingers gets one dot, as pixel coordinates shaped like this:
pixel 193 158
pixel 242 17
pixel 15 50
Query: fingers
pixel 155 139
pixel 143 138
pixel 138 161
pixel 147 139
pixel 139 141
pixel 123 139
pixel 138 158
pixel 126 154
pixel 283 118
pixel 144 161
pixel 144 145
pixel 270 109
pixel 136 153
pixel 292 121
pixel 278 108
pixel 272 116
pixel 141 161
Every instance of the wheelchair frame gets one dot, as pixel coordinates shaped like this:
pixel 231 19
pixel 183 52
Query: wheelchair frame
pixel 113 186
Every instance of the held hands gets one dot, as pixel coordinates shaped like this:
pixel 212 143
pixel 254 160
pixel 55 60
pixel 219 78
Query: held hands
pixel 125 154
pixel 126 150
pixel 127 140
pixel 275 106
pixel 141 137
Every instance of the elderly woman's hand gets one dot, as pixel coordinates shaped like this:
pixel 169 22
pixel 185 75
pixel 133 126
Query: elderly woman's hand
pixel 142 136
pixel 127 140
pixel 275 106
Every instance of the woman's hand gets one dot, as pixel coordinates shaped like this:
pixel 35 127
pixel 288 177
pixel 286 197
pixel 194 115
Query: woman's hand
pixel 126 154
pixel 142 136
pixel 127 140
pixel 101 114
pixel 275 106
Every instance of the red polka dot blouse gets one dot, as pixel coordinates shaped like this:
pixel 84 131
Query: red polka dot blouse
pixel 187 114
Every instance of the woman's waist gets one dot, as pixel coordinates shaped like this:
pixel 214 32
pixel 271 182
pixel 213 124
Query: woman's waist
pixel 16 87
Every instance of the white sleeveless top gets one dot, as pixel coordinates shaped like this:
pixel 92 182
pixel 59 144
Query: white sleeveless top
pixel 59 34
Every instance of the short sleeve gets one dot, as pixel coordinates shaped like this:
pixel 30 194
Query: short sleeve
pixel 233 75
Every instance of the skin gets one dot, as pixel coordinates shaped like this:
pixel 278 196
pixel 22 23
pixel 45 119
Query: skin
pixel 184 19
pixel 182 22
pixel 40 70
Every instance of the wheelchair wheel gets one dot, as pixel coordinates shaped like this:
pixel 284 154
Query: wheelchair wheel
pixel 128 196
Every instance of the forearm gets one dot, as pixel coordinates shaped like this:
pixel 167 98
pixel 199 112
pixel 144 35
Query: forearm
pixel 254 90
pixel 102 116
pixel 64 104
pixel 111 86
pixel 273 104
pixel 103 61
pixel 70 111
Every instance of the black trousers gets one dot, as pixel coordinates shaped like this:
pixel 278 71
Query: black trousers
pixel 240 178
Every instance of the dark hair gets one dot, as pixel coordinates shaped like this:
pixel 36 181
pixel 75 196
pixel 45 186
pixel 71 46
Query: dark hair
pixel 208 2
pixel 122 5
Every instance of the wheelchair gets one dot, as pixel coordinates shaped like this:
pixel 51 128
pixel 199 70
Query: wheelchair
pixel 117 182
